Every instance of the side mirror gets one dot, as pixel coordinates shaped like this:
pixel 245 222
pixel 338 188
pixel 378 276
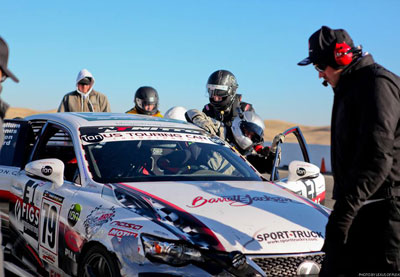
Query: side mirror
pixel 49 169
pixel 302 170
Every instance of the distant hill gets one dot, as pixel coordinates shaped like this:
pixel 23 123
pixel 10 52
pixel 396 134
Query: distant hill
pixel 313 134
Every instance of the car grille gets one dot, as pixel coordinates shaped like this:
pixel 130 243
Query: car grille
pixel 285 265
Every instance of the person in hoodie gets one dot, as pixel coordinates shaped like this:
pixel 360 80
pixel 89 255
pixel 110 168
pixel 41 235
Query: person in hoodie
pixel 84 98
pixel 363 231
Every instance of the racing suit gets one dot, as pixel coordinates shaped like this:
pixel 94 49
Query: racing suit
pixel 363 231
pixel 260 157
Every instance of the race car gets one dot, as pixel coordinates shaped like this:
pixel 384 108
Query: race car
pixel 104 194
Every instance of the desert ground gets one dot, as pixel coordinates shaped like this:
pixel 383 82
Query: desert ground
pixel 313 134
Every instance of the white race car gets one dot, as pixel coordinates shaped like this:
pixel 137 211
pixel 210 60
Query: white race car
pixel 102 194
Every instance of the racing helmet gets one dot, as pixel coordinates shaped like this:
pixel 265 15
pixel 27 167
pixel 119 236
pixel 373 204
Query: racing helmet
pixel 222 83
pixel 176 112
pixel 146 96
pixel 248 130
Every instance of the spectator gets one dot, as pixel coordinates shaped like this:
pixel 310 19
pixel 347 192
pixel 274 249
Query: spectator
pixel 363 231
pixel 4 74
pixel 84 98
pixel 146 102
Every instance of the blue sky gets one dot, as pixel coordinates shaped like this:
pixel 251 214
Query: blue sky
pixel 174 45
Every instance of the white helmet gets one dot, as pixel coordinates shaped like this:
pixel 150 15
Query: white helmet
pixel 248 129
pixel 176 112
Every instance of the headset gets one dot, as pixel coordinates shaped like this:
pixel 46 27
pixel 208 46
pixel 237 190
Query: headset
pixel 344 53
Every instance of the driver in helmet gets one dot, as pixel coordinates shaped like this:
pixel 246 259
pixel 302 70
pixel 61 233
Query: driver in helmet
pixel 224 102
pixel 146 102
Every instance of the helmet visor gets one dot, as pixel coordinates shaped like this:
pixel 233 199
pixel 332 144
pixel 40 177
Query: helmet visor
pixel 148 104
pixel 252 131
pixel 218 90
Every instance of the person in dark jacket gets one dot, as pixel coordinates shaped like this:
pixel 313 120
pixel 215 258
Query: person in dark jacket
pixel 4 74
pixel 363 231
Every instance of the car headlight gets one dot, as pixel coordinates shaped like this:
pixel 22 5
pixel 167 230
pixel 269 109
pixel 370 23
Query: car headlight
pixel 172 252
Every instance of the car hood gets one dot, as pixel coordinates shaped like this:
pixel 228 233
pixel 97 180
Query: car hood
pixel 252 217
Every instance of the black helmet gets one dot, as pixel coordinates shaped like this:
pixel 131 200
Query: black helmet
pixel 222 83
pixel 146 96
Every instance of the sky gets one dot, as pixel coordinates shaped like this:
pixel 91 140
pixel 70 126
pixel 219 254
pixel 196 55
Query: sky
pixel 174 45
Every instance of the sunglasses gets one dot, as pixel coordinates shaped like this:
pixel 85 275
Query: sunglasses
pixel 320 67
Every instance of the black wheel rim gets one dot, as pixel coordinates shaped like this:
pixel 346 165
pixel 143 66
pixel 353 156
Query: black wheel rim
pixel 97 265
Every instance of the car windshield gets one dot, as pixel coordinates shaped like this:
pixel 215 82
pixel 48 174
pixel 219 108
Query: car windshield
pixel 125 155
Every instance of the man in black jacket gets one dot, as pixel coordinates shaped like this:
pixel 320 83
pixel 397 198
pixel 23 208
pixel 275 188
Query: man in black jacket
pixel 363 231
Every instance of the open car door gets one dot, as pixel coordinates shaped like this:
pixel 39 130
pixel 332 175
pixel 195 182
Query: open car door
pixel 295 171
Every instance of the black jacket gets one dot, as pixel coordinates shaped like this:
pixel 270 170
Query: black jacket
pixel 365 139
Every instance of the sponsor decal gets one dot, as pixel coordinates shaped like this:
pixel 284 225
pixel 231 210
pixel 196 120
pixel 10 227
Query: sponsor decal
pixel 237 200
pixel 26 211
pixel 301 171
pixel 47 170
pixel 111 129
pixel 289 236
pixel 48 256
pixel 97 218
pixel 73 240
pixel 92 138
pixel 70 254
pixel 8 172
pixel 126 134
pixel 52 196
pixel 126 225
pixel 119 233
pixel 74 214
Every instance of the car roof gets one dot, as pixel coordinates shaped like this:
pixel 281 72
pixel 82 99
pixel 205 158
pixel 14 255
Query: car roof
pixel 76 120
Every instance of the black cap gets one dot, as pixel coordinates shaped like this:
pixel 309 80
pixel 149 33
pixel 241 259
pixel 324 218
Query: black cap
pixel 322 43
pixel 85 81
pixel 4 60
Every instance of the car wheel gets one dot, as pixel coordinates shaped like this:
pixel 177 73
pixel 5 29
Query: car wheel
pixel 98 262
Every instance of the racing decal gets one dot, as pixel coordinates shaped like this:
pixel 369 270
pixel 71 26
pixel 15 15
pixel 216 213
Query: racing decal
pixel 123 229
pixel 53 197
pixel 49 223
pixel 301 171
pixel 126 225
pixel 9 172
pixel 119 233
pixel 181 219
pixel 131 136
pixel 26 211
pixel 289 236
pixel 237 200
pixel 97 218
pixel 311 191
pixel 47 170
pixel 74 214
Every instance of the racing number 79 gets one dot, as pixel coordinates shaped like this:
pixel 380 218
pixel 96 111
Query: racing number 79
pixel 49 225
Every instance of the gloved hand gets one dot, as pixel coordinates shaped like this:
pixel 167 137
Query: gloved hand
pixel 203 121
pixel 279 137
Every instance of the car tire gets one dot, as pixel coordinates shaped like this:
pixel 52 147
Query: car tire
pixel 97 261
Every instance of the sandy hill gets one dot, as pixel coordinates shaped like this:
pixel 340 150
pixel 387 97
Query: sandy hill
pixel 313 135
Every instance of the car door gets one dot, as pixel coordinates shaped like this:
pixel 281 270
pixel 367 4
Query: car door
pixel 39 211
pixel 293 169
